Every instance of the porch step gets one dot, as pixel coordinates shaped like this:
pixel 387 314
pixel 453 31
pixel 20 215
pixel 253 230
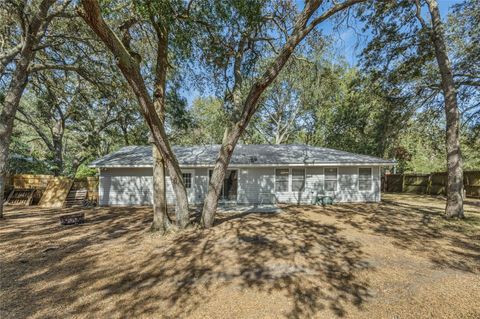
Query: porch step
pixel 75 197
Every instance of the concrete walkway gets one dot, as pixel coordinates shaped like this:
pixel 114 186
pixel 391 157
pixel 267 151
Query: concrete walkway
pixel 269 209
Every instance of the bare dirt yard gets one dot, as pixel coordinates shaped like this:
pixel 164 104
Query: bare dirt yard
pixel 395 259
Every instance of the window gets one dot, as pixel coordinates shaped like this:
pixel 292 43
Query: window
pixel 330 179
pixel 365 181
pixel 298 179
pixel 281 180
pixel 187 180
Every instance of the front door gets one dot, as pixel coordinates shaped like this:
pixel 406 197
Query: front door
pixel 230 186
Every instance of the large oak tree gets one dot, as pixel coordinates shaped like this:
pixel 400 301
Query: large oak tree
pixel 28 31
pixel 152 108
pixel 409 50
pixel 244 94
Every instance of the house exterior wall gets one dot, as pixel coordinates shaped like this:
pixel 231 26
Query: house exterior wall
pixel 255 185
pixel 133 186
pixel 201 184
pixel 125 187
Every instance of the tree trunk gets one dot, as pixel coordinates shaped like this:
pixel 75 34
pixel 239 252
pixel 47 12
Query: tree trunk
pixel 76 163
pixel 131 71
pixel 2 189
pixel 7 116
pixel 58 161
pixel 233 134
pixel 9 109
pixel 454 207
pixel 182 215
pixel 17 86
pixel 300 31
pixel 215 185
pixel 57 143
pixel 161 221
pixel 181 202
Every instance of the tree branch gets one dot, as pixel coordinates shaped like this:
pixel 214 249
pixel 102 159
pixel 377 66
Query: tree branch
pixel 418 13
pixel 8 56
pixel 30 122
pixel 300 31
pixel 64 67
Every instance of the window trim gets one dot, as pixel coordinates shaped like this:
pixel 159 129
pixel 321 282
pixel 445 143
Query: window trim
pixel 325 179
pixel 358 179
pixel 289 180
pixel 191 177
pixel 192 174
pixel 304 179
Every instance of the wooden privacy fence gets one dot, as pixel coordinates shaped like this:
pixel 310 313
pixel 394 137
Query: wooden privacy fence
pixel 40 182
pixel 430 184
pixel 90 184
pixel 27 182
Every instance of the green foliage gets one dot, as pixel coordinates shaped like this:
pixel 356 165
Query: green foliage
pixel 400 56
pixel 85 171
pixel 389 107
pixel 356 115
pixel 463 33
pixel 208 122
pixel 19 164
pixel 323 102
pixel 424 140
pixel 178 117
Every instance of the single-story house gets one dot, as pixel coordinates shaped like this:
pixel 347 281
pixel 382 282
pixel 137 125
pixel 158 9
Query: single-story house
pixel 257 174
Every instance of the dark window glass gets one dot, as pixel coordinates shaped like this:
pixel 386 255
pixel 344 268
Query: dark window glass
pixel 187 180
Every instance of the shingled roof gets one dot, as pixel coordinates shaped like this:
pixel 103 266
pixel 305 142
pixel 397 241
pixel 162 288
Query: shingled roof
pixel 243 155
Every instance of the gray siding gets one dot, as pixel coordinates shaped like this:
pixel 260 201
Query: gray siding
pixel 201 184
pixel 133 186
pixel 313 185
pixel 255 185
pixel 349 192
pixel 125 186
pixel 347 189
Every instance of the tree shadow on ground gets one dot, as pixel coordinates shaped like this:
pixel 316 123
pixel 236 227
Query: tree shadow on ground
pixel 417 228
pixel 112 266
pixel 308 256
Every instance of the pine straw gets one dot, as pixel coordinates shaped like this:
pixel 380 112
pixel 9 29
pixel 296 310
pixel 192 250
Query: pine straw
pixel 397 259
